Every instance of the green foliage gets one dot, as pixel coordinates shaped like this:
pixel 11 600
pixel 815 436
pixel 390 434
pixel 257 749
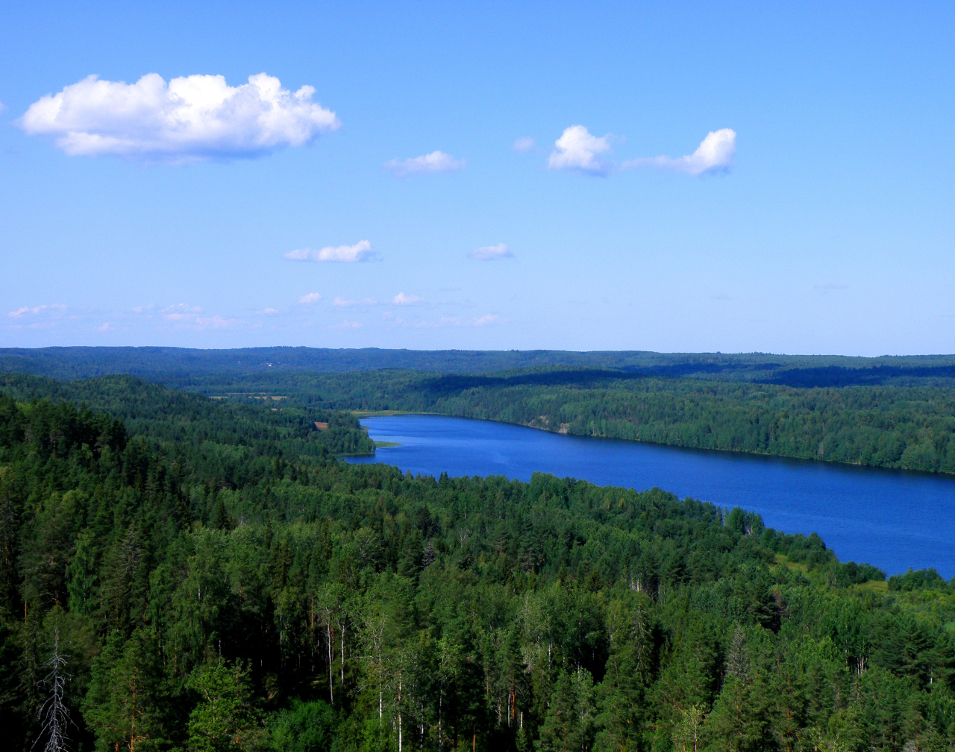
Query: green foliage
pixel 217 580
pixel 304 727
pixel 224 717
pixel 922 579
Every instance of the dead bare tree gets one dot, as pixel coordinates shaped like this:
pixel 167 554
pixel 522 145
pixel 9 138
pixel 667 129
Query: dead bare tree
pixel 54 713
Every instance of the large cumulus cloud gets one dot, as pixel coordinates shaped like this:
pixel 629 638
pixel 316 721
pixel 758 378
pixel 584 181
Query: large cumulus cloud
pixel 187 119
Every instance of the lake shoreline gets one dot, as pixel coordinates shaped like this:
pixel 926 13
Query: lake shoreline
pixel 891 518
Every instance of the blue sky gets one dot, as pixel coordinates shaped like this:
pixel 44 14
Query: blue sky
pixel 823 224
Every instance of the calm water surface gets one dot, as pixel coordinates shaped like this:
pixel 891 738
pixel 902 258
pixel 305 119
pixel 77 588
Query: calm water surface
pixel 894 520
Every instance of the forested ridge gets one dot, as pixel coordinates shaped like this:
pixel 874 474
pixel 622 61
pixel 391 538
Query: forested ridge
pixel 219 580
pixel 200 369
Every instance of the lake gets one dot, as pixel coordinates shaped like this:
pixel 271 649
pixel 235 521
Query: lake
pixel 894 520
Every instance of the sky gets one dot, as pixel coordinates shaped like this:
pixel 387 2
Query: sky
pixel 678 177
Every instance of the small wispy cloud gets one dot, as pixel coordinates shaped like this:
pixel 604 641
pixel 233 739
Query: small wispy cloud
pixel 341 303
pixel 185 316
pixel 577 150
pixel 106 326
pixel 436 161
pixel 491 318
pixel 269 311
pixel 27 311
pixel 360 251
pixel 347 325
pixel 216 322
pixel 310 299
pixel 491 252
pixel 180 312
pixel 714 154
pixel 451 321
pixel 524 145
pixel 402 299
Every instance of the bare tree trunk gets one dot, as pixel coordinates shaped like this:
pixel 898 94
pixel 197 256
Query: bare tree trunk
pixel 54 714
pixel 331 648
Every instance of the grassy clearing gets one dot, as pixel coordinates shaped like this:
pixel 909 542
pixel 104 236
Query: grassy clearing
pixel 875 586
pixel 797 566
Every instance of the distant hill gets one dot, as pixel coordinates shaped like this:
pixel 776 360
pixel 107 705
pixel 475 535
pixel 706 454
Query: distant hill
pixel 191 368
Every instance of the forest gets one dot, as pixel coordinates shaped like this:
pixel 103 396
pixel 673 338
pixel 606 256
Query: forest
pixel 893 412
pixel 184 573
pixel 906 427
pixel 256 367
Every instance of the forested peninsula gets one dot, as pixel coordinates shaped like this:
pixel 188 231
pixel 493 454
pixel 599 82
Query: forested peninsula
pixel 198 574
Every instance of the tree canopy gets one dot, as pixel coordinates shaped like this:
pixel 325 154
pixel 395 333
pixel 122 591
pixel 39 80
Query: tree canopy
pixel 213 578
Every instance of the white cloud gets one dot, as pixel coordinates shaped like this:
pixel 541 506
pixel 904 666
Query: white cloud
pixel 361 251
pixel 186 316
pixel 216 322
pixel 491 318
pixel 270 311
pixel 714 154
pixel 436 161
pixel 180 312
pixel 402 299
pixel 312 297
pixel 347 325
pixel 341 303
pixel 106 326
pixel 524 145
pixel 189 119
pixel 577 150
pixel 35 310
pixel 40 317
pixel 491 252
pixel 451 321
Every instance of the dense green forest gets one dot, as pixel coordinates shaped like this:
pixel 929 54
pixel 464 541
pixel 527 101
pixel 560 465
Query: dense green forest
pixel 183 574
pixel 885 426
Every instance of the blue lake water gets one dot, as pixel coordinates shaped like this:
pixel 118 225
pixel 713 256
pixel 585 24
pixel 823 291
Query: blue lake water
pixel 894 520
